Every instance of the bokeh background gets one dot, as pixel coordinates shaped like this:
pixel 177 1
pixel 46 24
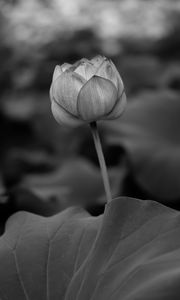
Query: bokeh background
pixel 44 167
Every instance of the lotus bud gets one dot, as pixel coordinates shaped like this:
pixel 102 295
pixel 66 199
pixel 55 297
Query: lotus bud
pixel 87 91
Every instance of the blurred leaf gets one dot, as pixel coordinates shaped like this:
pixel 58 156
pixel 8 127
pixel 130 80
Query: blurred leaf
pixel 131 252
pixel 171 77
pixel 18 162
pixel 149 132
pixel 24 199
pixel 77 181
pixel 19 106
pixel 140 72
pixel 31 159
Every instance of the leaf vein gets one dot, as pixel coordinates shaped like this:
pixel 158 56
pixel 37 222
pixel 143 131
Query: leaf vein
pixel 19 277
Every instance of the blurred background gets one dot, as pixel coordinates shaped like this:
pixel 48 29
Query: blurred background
pixel 44 167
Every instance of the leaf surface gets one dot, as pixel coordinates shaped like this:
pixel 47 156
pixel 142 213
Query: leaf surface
pixel 131 252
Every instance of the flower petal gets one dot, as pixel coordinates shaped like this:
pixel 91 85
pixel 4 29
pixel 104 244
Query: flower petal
pixel 118 108
pixel 65 66
pixel 65 90
pixel 76 64
pixel 86 69
pixel 57 72
pixel 96 99
pixel 120 84
pixel 108 70
pixel 63 117
pixel 97 60
pixel 51 93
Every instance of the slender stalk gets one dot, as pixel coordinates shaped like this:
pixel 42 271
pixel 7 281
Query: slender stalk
pixel 101 159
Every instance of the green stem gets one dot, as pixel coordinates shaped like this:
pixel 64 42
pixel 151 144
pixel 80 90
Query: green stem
pixel 101 159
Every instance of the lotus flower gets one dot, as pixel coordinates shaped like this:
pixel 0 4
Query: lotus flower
pixel 87 91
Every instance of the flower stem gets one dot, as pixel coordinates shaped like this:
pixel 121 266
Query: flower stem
pixel 101 159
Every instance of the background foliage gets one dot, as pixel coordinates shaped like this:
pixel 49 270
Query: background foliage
pixel 45 168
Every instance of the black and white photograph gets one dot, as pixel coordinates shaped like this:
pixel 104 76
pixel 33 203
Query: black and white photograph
pixel 89 149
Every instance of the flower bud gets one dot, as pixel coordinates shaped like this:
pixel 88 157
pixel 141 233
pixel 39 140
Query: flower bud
pixel 87 91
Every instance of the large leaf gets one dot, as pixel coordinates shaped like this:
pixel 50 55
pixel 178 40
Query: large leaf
pixel 131 252
pixel 149 132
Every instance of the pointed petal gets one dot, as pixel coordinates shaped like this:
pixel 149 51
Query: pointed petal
pixel 76 64
pixel 97 60
pixel 86 69
pixel 57 72
pixel 65 90
pixel 108 70
pixel 118 108
pixel 65 66
pixel 96 98
pixel 63 117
